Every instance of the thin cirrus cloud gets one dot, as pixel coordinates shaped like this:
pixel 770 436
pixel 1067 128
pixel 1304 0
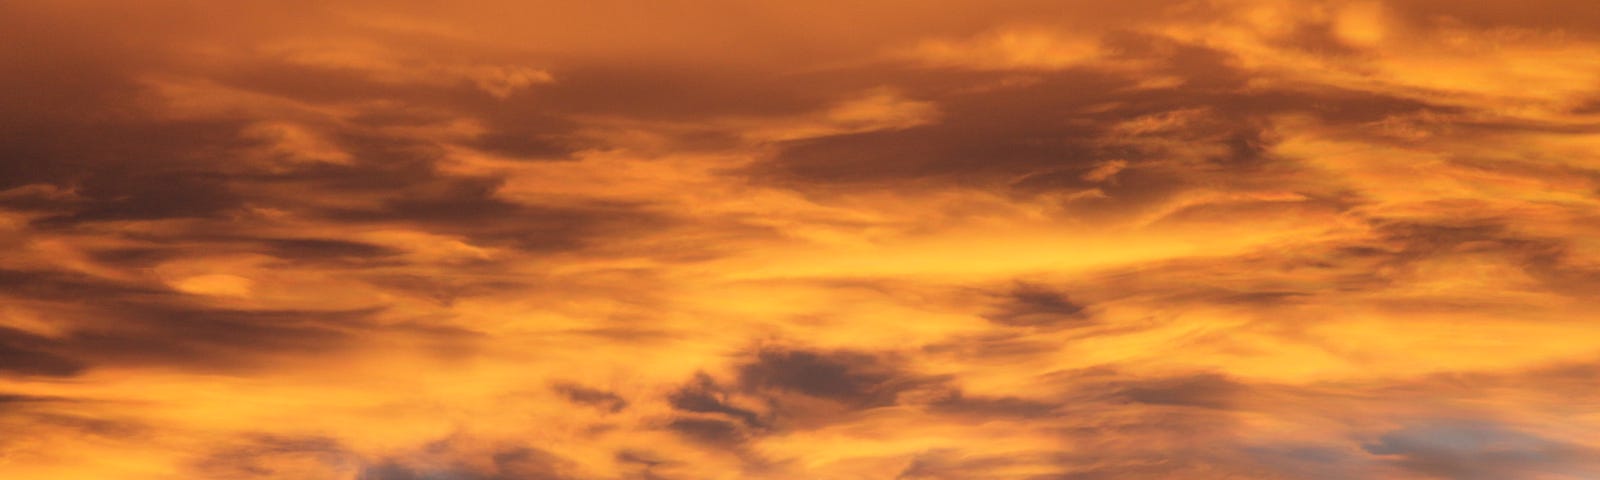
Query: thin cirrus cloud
pixel 367 240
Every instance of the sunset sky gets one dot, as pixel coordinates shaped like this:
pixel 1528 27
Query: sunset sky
pixel 782 239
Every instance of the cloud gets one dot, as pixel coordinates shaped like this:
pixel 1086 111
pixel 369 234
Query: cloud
pixel 588 396
pixel 847 377
pixel 1479 450
pixel 1209 391
pixel 23 353
pixel 1039 239
pixel 1032 305
pixel 703 395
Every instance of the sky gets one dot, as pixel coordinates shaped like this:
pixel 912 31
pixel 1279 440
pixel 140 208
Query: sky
pixel 780 239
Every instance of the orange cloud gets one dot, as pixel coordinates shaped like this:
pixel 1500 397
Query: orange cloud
pixel 406 240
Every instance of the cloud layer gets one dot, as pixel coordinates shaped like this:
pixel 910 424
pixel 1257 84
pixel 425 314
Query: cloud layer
pixel 404 240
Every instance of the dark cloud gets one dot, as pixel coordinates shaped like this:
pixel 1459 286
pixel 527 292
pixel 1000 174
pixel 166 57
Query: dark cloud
pixel 997 346
pixel 261 456
pixel 988 408
pixel 642 458
pixel 128 332
pixel 28 354
pixel 84 425
pixel 852 378
pixel 57 285
pixel 1319 38
pixel 68 107
pixel 980 137
pixel 1184 461
pixel 443 290
pixel 1034 305
pixel 11 398
pixel 1559 15
pixel 703 395
pixel 1049 134
pixel 1207 391
pixel 1470 450
pixel 529 463
pixel 135 257
pixel 1311 462
pixel 470 207
pixel 131 319
pixel 523 142
pixel 709 431
pixel 779 390
pixel 601 399
pixel 1401 245
pixel 153 195
pixel 173 333
pixel 317 249
pixel 396 471
pixel 136 166
pixel 445 462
